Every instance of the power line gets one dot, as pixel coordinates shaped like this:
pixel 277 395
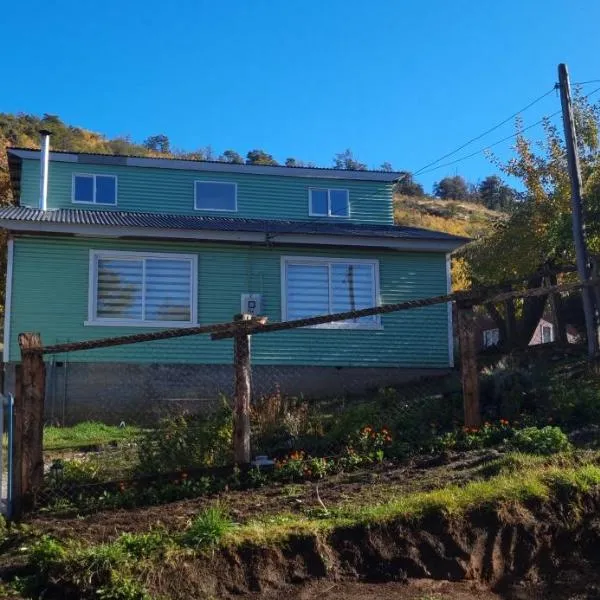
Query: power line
pixel 478 137
pixel 509 137
pixel 586 82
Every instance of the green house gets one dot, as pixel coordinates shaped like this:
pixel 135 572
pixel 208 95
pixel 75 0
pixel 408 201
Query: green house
pixel 102 246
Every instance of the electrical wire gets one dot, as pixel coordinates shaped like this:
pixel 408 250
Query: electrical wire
pixel 486 132
pixel 509 137
pixel 271 236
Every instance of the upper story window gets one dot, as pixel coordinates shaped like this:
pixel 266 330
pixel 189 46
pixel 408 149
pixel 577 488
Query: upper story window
pixel 215 195
pixel 94 189
pixel 324 202
pixel 145 289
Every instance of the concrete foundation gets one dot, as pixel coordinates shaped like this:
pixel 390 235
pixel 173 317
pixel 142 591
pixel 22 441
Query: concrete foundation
pixel 141 393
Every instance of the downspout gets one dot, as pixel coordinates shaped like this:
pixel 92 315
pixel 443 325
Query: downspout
pixel 44 159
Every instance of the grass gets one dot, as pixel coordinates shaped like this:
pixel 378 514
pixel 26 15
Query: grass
pixel 88 433
pixel 537 479
pixel 118 569
pixel 207 529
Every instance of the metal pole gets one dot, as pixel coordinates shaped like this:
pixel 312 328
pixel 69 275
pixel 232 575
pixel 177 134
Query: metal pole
pixel 578 224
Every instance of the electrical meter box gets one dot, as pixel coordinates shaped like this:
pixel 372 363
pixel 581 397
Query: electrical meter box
pixel 252 304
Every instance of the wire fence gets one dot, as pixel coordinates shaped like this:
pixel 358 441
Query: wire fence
pixel 194 429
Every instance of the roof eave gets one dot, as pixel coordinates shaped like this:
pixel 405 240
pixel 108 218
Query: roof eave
pixel 209 166
pixel 207 235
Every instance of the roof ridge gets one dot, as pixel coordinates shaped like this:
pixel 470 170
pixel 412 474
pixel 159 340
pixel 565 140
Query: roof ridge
pixel 202 161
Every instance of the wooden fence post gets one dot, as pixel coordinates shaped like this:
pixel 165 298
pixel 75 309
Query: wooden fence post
pixel 29 422
pixel 467 336
pixel 241 415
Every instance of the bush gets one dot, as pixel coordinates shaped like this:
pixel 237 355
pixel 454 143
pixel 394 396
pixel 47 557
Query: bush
pixel 547 440
pixel 278 422
pixel 574 403
pixel 186 442
pixel 207 529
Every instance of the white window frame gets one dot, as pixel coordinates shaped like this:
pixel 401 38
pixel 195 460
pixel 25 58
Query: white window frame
pixel 229 210
pixel 94 175
pixel 551 328
pixel 320 261
pixel 329 213
pixel 485 331
pixel 93 320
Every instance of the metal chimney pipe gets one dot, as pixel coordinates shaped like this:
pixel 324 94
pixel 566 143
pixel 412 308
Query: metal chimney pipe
pixel 44 159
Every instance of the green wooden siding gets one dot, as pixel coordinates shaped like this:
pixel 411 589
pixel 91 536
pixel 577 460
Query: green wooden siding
pixel 171 191
pixel 50 295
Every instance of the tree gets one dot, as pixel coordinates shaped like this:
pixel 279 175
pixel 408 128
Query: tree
pixel 407 186
pixel 386 166
pixel 259 157
pixel 231 156
pixel 452 188
pixel 494 194
pixel 158 143
pixel 346 160
pixel 537 238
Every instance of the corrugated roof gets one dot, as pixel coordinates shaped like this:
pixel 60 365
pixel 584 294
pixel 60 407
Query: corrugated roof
pixel 205 165
pixel 112 218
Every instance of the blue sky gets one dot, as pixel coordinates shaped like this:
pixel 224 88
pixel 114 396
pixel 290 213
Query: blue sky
pixel 398 81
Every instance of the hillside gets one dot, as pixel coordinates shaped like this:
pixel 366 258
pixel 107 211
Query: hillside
pixel 459 218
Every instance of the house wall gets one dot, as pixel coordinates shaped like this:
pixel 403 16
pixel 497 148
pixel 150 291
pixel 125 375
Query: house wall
pixel 171 191
pixel 50 295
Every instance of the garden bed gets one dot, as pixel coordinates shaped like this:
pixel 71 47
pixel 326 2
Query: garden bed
pixel 520 525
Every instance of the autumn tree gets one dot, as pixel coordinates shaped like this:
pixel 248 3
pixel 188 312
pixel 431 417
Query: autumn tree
pixel 536 240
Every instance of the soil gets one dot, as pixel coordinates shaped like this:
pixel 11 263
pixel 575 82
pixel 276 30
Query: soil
pixel 549 551
pixel 540 550
pixel 366 487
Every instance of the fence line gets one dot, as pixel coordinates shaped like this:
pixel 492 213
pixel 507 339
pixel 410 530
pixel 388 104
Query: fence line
pixel 30 382
pixel 136 338
pixel 464 298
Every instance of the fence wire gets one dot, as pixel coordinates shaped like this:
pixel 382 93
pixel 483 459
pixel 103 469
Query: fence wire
pixel 150 432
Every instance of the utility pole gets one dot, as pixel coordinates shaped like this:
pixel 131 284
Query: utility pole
pixel 578 225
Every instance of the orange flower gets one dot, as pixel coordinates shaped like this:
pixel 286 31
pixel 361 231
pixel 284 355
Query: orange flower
pixel 121 487
pixel 184 476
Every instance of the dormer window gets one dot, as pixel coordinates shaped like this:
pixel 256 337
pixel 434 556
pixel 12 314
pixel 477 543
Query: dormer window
pixel 94 189
pixel 215 195
pixel 326 202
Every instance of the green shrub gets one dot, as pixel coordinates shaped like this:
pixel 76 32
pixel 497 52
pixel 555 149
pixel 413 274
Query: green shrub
pixel 574 403
pixel 185 442
pixel 46 553
pixel 207 529
pixel 547 440
pixel 143 545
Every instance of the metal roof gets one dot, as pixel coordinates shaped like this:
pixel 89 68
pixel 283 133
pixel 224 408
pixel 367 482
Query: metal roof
pixel 113 218
pixel 17 154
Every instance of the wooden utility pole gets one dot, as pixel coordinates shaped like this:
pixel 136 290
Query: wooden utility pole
pixel 241 414
pixel 469 370
pixel 29 422
pixel 578 224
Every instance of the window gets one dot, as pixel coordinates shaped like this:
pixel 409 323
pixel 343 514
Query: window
pixel 95 189
pixel 142 289
pixel 317 286
pixel 547 334
pixel 215 195
pixel 491 337
pixel 328 203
